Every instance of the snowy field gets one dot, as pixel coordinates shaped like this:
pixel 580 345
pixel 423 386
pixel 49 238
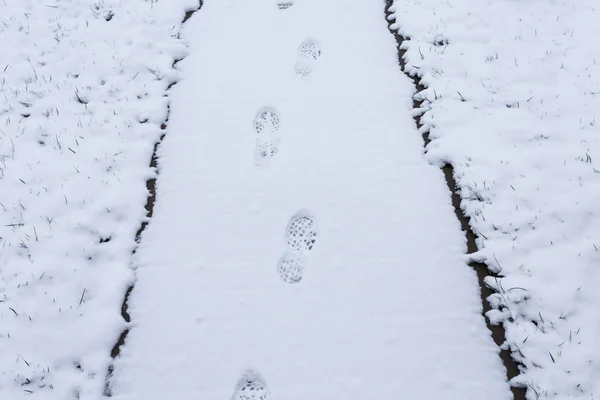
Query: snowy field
pixel 512 103
pixel 293 119
pixel 82 86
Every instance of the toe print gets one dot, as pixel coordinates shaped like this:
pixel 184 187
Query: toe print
pixel 301 233
pixel 251 386
pixel 290 268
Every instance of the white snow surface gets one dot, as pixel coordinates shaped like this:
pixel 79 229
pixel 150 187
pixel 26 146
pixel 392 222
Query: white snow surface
pixel 82 86
pixel 301 246
pixel 320 174
pixel 512 103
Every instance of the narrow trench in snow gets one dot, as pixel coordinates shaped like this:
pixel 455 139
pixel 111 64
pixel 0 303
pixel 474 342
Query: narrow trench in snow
pixel 151 187
pixel 498 334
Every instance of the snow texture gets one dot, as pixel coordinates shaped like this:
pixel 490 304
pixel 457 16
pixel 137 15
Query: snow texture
pixel 82 89
pixel 387 308
pixel 512 103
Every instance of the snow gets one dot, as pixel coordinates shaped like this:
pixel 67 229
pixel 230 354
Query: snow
pixel 303 243
pixel 524 145
pixel 82 86
pixel 334 268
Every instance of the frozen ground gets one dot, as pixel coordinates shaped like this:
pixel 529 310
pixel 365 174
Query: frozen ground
pixel 512 103
pixel 299 232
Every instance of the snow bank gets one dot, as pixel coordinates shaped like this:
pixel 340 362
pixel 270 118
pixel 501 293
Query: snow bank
pixel 82 89
pixel 512 100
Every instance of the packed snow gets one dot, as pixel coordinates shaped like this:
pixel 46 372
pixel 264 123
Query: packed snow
pixel 512 101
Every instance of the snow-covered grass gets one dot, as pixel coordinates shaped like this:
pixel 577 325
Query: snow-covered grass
pixel 82 101
pixel 512 103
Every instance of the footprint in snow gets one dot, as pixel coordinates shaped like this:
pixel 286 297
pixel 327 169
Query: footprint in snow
pixel 266 126
pixel 301 232
pixel 267 121
pixel 300 237
pixel 284 4
pixel 251 386
pixel 290 268
pixel 308 52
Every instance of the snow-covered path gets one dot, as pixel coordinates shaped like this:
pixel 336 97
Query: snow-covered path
pixel 386 308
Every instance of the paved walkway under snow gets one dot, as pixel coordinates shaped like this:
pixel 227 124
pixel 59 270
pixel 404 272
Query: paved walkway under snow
pixel 326 185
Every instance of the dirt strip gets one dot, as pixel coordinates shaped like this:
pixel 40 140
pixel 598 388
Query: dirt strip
pixel 498 333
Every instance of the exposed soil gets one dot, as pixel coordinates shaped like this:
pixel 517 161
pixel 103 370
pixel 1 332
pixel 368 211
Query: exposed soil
pixel 151 187
pixel 498 333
